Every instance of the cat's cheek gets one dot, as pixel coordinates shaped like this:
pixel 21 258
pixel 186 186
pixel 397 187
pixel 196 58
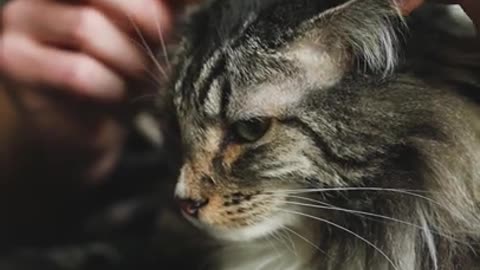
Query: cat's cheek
pixel 243 223
pixel 216 214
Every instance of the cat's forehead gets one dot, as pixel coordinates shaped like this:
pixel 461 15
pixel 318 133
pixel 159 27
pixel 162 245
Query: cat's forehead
pixel 308 68
pixel 242 83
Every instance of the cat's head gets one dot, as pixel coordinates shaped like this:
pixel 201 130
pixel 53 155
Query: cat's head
pixel 278 96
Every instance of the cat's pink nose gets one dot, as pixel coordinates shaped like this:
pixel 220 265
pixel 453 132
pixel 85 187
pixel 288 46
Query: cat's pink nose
pixel 191 207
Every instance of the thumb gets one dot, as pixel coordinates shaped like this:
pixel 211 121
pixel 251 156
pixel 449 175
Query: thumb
pixel 407 6
pixel 472 8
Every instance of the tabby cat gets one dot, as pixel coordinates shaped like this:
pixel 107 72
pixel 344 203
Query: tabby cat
pixel 329 134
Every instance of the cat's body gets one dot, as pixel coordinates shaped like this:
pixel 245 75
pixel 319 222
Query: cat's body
pixel 316 136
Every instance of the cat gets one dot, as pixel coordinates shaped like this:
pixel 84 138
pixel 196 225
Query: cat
pixel 328 134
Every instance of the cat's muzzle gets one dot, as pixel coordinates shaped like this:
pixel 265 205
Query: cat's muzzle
pixel 191 207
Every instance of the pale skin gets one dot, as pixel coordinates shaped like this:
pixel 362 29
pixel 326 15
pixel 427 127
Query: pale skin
pixel 88 50
pixel 85 50
pixel 471 7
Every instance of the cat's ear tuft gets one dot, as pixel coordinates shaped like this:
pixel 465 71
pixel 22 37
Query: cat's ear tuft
pixel 369 30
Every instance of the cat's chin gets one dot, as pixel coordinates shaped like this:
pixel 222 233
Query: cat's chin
pixel 246 233
pixel 249 233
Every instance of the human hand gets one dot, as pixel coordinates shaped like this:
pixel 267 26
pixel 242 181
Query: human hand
pixel 471 7
pixel 85 51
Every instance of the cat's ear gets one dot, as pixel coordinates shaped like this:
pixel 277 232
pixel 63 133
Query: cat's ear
pixel 368 30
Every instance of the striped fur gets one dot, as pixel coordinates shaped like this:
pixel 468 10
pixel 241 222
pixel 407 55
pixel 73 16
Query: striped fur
pixel 383 123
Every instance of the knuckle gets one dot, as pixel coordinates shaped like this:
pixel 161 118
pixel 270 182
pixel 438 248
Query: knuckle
pixel 8 51
pixel 138 8
pixel 86 21
pixel 78 73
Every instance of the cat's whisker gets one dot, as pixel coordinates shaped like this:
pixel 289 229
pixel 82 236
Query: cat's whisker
pixel 284 240
pixel 323 205
pixel 162 39
pixel 361 188
pixel 363 239
pixel 266 263
pixel 392 190
pixel 292 243
pixel 326 206
pixel 149 50
pixel 142 97
pixel 304 239
pixel 272 242
pixel 156 79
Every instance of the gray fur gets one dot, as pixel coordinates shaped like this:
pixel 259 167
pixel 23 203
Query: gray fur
pixel 358 102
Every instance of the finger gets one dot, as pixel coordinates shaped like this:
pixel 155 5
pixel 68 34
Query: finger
pixel 152 17
pixel 407 6
pixel 33 63
pixel 472 8
pixel 77 27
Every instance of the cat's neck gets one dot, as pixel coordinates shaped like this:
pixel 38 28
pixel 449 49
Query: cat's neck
pixel 282 251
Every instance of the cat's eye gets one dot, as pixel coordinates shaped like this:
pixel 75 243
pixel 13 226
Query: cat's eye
pixel 251 130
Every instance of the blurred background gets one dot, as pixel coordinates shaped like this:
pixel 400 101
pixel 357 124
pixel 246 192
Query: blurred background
pixel 51 220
